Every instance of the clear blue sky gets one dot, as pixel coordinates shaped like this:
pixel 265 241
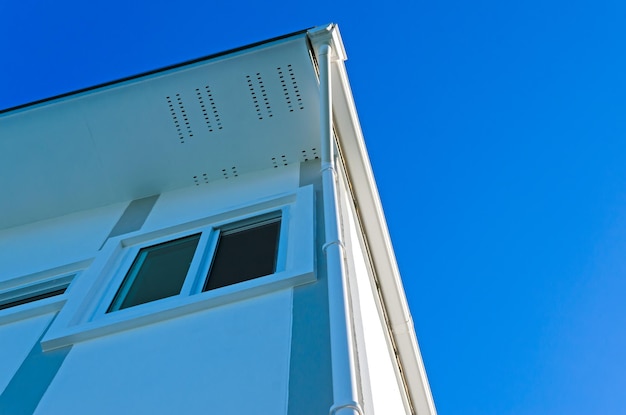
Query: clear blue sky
pixel 497 133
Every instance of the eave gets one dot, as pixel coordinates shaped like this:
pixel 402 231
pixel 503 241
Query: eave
pixel 212 119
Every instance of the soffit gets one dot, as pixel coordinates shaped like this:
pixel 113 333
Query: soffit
pixel 210 120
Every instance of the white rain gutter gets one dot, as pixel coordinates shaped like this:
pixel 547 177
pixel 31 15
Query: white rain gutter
pixel 345 393
pixel 371 218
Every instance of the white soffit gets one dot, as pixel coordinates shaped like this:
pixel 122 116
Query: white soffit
pixel 211 120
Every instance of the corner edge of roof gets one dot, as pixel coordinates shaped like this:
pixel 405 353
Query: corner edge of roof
pixel 26 105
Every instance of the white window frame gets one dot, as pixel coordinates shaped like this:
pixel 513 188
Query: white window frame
pixel 31 285
pixel 205 251
pixel 85 315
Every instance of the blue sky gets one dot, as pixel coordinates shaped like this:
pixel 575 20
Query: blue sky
pixel 497 133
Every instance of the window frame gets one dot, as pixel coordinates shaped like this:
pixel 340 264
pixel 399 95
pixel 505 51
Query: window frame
pixel 84 316
pixel 200 265
pixel 240 226
pixel 134 270
pixel 34 285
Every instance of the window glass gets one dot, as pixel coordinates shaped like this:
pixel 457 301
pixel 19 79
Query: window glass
pixel 244 253
pixel 30 298
pixel 159 271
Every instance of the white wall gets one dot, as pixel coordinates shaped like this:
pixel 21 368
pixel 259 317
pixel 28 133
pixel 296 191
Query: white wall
pixel 56 242
pixel 52 243
pixel 196 202
pixel 228 360
pixel 16 341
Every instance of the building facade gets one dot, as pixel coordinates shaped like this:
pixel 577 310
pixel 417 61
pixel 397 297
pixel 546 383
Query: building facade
pixel 205 238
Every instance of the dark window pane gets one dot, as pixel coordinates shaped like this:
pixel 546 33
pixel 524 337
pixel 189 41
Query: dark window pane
pixel 158 272
pixel 31 298
pixel 244 254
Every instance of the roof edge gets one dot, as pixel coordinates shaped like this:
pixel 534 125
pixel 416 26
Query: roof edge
pixel 153 71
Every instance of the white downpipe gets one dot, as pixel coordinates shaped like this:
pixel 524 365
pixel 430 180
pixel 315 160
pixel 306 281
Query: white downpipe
pixel 345 396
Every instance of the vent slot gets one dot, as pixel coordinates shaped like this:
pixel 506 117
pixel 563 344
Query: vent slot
pixel 179 117
pixel 311 154
pixel 291 91
pixel 259 96
pixel 208 108
pixel 230 172
pixel 203 178
pixel 279 161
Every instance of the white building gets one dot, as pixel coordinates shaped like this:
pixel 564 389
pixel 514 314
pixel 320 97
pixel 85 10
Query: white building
pixel 202 239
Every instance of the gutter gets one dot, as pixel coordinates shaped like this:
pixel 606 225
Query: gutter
pixel 372 222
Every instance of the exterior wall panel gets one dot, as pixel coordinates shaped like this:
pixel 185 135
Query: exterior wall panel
pixel 228 360
pixel 201 362
pixel 16 341
pixel 310 377
pixel 196 202
pixel 52 243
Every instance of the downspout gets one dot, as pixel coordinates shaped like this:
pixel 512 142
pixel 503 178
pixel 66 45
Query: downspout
pixel 345 393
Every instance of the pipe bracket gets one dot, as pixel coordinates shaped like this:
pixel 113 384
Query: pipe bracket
pixel 337 242
pixel 350 405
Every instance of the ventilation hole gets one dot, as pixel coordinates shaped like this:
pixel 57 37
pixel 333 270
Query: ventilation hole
pixel 173 113
pixel 199 179
pixel 179 117
pixel 229 172
pixel 309 155
pixel 295 87
pixel 291 92
pixel 258 93
pixel 210 115
pixel 279 161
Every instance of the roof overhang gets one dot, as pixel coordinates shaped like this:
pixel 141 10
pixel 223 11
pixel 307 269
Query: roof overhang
pixel 172 128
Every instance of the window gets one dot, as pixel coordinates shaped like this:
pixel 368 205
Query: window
pixel 34 294
pixel 241 251
pixel 244 253
pixel 29 298
pixel 165 272
pixel 158 272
